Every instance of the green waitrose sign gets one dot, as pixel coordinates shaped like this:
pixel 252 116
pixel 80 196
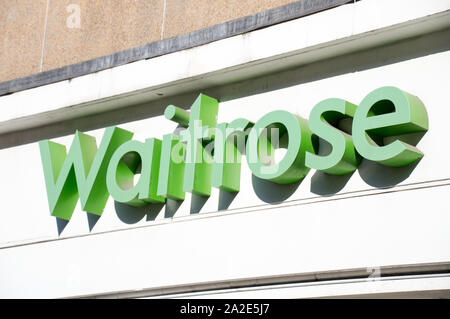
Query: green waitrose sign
pixel 206 154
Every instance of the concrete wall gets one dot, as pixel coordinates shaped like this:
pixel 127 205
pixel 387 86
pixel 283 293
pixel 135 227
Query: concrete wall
pixel 40 35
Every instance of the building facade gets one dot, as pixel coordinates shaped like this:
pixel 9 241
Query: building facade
pixel 377 229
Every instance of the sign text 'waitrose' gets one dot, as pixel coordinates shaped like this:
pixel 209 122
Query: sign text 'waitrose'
pixel 207 154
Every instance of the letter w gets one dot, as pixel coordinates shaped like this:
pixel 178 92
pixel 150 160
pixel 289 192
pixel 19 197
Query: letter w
pixel 81 173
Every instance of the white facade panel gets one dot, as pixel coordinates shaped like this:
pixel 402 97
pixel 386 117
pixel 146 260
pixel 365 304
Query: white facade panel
pixel 377 217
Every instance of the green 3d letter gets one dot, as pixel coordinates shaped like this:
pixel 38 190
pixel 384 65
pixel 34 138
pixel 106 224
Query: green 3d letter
pixel 395 112
pixel 198 166
pixel 292 167
pixel 81 173
pixel 323 121
pixel 125 163
pixel 171 170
